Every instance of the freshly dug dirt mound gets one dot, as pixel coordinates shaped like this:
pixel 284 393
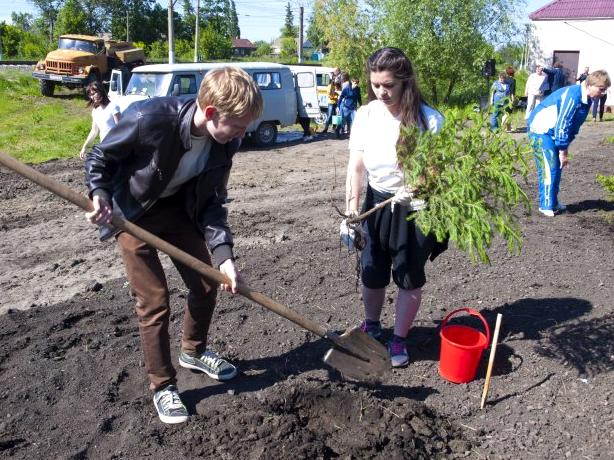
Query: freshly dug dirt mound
pixel 72 383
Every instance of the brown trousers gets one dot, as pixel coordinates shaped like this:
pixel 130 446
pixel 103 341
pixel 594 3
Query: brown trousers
pixel 148 283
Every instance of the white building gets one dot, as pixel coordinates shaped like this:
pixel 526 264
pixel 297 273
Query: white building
pixel 578 33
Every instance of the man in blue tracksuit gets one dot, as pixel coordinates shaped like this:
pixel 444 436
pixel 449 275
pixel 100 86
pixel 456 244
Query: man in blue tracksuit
pixel 552 126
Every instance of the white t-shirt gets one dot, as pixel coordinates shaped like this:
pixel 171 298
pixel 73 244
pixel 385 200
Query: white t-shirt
pixel 103 117
pixel 535 84
pixel 375 132
pixel 191 164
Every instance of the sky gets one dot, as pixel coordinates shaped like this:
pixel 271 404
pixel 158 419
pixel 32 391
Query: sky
pixel 258 19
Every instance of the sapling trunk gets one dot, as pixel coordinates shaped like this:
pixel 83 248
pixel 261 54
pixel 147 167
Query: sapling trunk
pixel 469 176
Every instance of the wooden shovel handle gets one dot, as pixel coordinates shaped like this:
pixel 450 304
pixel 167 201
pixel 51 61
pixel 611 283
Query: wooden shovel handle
pixel 208 272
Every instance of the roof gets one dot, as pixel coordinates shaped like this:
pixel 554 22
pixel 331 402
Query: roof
pixel 574 9
pixel 200 66
pixel 242 43
pixel 89 38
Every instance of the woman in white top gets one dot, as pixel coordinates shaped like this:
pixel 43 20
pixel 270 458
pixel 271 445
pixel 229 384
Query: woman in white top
pixel 535 89
pixel 392 242
pixel 105 114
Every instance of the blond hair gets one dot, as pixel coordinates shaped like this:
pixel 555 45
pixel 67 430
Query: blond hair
pixel 232 91
pixel 599 78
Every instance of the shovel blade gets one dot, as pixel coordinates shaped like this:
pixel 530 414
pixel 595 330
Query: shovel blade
pixel 359 356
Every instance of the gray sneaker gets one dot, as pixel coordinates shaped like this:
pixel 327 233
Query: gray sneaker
pixel 169 406
pixel 210 363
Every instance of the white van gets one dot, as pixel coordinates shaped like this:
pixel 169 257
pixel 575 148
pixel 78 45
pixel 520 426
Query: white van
pixel 305 80
pixel 183 80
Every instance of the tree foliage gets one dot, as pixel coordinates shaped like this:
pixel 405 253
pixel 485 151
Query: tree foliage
pixel 214 45
pixel 289 29
pixel 72 19
pixel 347 32
pixel 447 40
pixel 469 177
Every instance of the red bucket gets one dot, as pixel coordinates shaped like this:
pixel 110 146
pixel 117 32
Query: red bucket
pixel 461 348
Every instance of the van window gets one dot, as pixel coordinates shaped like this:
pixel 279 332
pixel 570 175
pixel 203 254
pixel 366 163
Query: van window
pixel 187 84
pixel 305 80
pixel 149 84
pixel 323 79
pixel 268 80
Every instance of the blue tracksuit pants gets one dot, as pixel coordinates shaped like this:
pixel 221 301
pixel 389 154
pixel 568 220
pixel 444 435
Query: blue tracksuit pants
pixel 548 169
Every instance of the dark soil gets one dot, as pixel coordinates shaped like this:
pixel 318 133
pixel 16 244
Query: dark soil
pixel 72 383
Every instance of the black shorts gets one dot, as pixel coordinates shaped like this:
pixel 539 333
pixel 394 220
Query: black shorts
pixel 394 242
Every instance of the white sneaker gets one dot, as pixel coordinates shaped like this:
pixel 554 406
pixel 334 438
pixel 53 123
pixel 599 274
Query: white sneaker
pixel 547 212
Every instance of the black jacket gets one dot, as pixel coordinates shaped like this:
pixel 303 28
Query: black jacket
pixel 138 158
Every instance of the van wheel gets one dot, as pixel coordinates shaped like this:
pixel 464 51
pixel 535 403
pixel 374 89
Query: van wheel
pixel 266 134
pixel 47 87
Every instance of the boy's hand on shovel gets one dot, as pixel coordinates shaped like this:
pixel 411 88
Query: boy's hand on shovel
pixel 229 269
pixel 102 213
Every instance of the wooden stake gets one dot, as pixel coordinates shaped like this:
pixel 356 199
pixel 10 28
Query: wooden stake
pixel 491 360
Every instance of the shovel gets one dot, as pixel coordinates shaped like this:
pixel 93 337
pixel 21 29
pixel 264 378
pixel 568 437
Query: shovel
pixel 355 354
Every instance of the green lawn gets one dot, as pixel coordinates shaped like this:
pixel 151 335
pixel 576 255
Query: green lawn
pixel 34 128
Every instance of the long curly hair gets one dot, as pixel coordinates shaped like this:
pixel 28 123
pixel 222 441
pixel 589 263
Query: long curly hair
pixel 394 60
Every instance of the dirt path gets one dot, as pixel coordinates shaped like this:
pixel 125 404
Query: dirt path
pixel 71 377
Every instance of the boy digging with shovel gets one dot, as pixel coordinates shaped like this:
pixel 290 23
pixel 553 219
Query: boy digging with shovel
pixel 165 166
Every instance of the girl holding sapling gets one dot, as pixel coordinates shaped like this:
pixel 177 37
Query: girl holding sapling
pixel 393 244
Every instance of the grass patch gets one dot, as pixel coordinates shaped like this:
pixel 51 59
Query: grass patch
pixel 36 129
pixel 608 140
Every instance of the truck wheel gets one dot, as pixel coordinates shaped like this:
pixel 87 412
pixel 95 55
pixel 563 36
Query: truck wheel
pixel 266 134
pixel 47 87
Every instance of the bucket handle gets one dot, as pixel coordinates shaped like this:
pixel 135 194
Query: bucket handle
pixel 472 312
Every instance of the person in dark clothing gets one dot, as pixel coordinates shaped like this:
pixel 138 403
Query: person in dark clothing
pixel 348 103
pixel 599 103
pixel 556 77
pixel 583 76
pixel 165 166
pixel 506 120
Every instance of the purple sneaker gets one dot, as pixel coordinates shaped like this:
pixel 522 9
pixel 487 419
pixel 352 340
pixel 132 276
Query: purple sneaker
pixel 398 354
pixel 373 329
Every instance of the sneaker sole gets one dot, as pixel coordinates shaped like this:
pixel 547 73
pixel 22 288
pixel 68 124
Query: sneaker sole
pixel 170 420
pixel 220 378
pixel 403 364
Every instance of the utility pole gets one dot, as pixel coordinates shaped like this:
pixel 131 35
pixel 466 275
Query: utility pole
pixel 171 34
pixel 300 35
pixel 196 31
pixel 127 25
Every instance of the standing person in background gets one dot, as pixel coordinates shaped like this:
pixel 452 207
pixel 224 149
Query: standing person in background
pixel 105 114
pixel 499 98
pixel 357 96
pixel 393 242
pixel 166 167
pixel 333 96
pixel 583 76
pixel 552 126
pixel 348 103
pixel 556 77
pixel 534 89
pixel 506 120
pixel 599 103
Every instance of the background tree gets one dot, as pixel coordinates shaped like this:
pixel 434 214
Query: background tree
pixel 447 40
pixel 48 14
pixel 213 44
pixel 346 30
pixel 315 33
pixel 233 20
pixel 289 29
pixel 72 20
pixel 288 49
pixel 262 48
pixel 22 21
